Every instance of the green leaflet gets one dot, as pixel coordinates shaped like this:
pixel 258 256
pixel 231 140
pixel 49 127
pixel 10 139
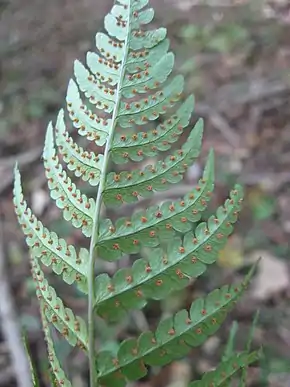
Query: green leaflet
pixel 127 186
pixel 173 338
pixel 52 250
pixel 72 327
pixel 142 144
pixel 147 39
pixel 77 207
pixel 101 96
pixel 151 107
pixel 149 227
pixel 226 370
pixel 104 70
pixel 112 48
pixel 88 123
pixel 57 375
pixel 142 81
pixel 141 60
pixel 164 272
pixel 86 165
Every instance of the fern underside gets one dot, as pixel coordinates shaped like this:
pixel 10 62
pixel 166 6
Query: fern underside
pixel 125 101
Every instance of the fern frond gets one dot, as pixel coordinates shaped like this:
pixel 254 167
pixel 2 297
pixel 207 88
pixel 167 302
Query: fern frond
pixel 77 207
pixel 86 165
pixel 88 123
pixel 225 371
pixel 163 272
pixel 126 187
pixel 142 144
pixel 47 246
pixel 126 85
pixel 172 339
pixel 73 328
pixel 58 376
pixel 150 227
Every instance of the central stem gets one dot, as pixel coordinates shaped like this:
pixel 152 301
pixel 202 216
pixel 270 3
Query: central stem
pixel 96 219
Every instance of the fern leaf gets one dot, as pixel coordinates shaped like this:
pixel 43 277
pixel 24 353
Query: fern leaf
pixel 148 228
pixel 58 377
pixel 46 245
pixel 88 123
pixel 142 144
pixel 172 339
pixel 86 165
pixel 225 371
pixel 162 273
pixel 128 83
pixel 77 207
pixel 72 327
pixel 127 187
pixel 141 60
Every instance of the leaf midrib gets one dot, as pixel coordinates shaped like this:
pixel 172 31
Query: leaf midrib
pixel 99 200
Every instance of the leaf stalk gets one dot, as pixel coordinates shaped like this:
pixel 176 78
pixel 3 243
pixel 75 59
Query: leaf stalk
pixel 96 223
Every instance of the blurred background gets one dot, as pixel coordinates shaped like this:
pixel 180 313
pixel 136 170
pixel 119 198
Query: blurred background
pixel 235 56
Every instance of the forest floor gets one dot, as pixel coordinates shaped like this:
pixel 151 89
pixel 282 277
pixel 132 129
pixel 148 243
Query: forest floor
pixel 235 56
